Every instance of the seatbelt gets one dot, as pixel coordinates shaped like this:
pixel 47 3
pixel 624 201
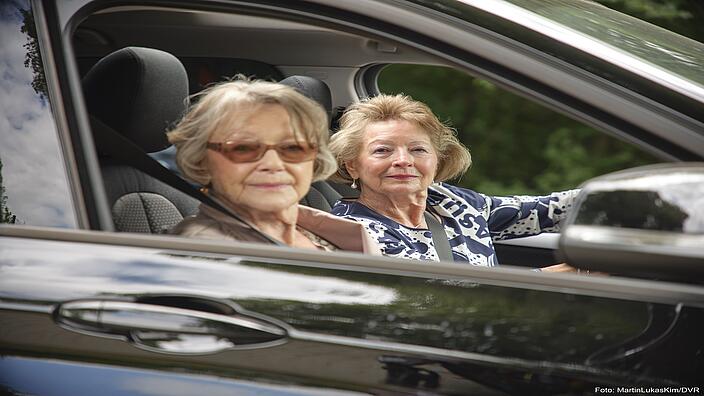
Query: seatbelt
pixel 442 244
pixel 123 149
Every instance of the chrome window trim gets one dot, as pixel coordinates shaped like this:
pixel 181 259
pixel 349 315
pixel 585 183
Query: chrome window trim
pixel 547 240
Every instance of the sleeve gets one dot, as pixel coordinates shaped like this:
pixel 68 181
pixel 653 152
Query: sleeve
pixel 519 216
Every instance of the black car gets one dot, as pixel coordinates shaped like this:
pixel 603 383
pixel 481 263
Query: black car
pixel 96 299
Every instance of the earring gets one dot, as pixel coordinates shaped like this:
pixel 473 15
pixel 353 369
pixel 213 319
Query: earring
pixel 354 183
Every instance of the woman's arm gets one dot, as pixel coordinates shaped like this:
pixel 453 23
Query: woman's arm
pixel 518 216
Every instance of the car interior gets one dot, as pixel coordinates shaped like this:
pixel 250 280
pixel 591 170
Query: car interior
pixel 136 49
pixel 164 55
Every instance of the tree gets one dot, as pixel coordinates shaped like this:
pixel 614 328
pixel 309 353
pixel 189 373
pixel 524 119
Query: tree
pixel 5 215
pixel 33 58
pixel 518 146
pixel 680 16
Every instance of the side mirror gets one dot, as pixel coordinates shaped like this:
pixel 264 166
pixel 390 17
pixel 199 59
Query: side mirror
pixel 643 222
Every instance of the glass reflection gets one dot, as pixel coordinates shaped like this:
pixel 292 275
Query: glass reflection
pixel 33 184
pixel 182 343
pixel 671 202
pixel 485 319
pixel 648 42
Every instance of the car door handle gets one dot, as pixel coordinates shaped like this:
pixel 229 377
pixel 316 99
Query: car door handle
pixel 168 329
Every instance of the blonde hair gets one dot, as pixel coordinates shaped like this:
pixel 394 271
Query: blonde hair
pixel 453 157
pixel 219 102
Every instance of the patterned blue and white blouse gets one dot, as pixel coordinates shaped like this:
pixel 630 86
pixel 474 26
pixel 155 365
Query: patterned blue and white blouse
pixel 472 221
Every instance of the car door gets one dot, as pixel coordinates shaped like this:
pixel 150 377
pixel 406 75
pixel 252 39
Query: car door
pixel 97 311
pixel 71 305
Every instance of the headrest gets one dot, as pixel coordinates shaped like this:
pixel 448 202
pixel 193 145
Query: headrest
pixel 139 92
pixel 312 88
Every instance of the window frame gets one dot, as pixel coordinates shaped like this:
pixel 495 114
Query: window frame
pixel 77 120
pixel 63 84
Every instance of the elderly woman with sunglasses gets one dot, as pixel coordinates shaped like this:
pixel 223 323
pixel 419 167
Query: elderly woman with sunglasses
pixel 398 153
pixel 256 147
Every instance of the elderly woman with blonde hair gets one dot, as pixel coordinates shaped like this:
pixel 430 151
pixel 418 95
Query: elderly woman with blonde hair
pixel 256 147
pixel 397 152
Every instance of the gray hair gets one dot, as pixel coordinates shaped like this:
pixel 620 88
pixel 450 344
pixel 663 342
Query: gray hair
pixel 217 103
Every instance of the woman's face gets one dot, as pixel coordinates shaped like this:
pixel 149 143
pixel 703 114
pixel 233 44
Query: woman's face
pixel 268 184
pixel 396 158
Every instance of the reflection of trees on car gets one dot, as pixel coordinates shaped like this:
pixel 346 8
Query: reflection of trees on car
pixel 637 209
pixel 465 316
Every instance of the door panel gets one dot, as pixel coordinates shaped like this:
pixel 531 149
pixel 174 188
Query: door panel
pixel 354 328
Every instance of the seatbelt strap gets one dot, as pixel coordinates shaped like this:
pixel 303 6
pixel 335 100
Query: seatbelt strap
pixel 442 244
pixel 123 149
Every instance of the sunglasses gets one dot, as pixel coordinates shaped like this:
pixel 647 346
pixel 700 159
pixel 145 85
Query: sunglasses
pixel 251 152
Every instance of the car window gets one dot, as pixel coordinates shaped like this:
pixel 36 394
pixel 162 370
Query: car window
pixel 34 186
pixel 517 146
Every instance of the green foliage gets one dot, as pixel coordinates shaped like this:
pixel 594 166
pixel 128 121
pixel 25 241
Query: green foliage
pixel 33 58
pixel 5 215
pixel 518 146
pixel 681 16
pixel 639 209
pixel 461 315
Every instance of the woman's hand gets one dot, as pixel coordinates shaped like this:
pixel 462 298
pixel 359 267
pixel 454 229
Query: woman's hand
pixel 559 268
pixel 563 267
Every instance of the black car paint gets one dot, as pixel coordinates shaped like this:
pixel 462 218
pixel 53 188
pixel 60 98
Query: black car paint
pixel 385 330
pixel 421 333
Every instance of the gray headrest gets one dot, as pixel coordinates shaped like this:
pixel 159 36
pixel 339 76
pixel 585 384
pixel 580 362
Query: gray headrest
pixel 139 92
pixel 312 88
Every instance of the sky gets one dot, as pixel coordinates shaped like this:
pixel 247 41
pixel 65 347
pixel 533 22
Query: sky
pixel 33 175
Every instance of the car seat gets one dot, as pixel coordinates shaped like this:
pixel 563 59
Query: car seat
pixel 138 92
pixel 323 194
